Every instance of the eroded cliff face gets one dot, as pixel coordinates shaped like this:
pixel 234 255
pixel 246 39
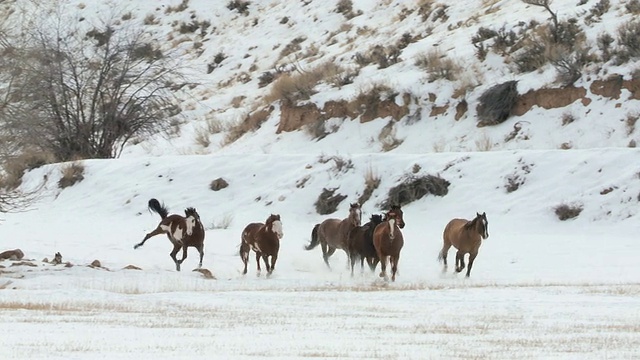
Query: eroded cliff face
pixel 370 107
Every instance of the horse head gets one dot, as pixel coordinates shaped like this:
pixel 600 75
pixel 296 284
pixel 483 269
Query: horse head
pixel 192 218
pixel 355 214
pixel 375 219
pixel 274 224
pixel 482 225
pixel 396 214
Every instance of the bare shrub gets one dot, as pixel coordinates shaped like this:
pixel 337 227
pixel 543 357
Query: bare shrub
pixel 202 137
pixel 633 6
pixel 293 46
pixel 14 167
pixel 240 6
pixel 569 63
pixel 340 164
pixel 316 130
pixel 513 182
pixel 566 211
pixel 630 122
pixel 604 42
pixel 371 183
pixel 438 66
pixel 629 40
pixel 484 143
pixel 86 94
pixel 387 137
pixel 294 87
pixel 495 104
pixel 179 8
pixel 345 7
pixel 328 201
pixel 215 63
pixel 151 20
pixel 413 188
pixel 568 118
pixel 71 174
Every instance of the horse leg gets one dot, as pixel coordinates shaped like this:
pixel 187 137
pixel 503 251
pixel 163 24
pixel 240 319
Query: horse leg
pixel 394 266
pixel 244 255
pixel 184 255
pixel 155 232
pixel 330 251
pixel 443 255
pixel 274 258
pixel 460 261
pixel 383 267
pixel 176 248
pixel 201 251
pixel 472 257
pixel 258 256
pixel 324 253
pixel 352 260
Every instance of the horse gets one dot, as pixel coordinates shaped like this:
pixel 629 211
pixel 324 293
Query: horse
pixel 182 231
pixel 333 234
pixel 388 241
pixel 361 244
pixel 466 236
pixel 264 240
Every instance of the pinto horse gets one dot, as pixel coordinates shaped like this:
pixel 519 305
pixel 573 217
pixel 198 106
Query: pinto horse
pixel 466 236
pixel 361 244
pixel 333 234
pixel 182 231
pixel 264 240
pixel 388 241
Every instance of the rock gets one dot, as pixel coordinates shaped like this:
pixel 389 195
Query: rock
pixel 96 263
pixel 15 254
pixel 207 274
pixel 131 267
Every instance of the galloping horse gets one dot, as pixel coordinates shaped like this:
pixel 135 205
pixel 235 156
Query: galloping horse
pixel 466 236
pixel 333 234
pixel 361 244
pixel 264 240
pixel 388 241
pixel 182 231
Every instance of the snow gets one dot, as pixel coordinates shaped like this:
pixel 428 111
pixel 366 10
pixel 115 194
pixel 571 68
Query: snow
pixel 540 287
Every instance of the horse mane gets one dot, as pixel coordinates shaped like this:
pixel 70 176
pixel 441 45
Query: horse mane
pixel 470 224
pixel 155 206
pixel 190 211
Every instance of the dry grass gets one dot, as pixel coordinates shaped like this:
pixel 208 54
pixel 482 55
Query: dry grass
pixel 371 183
pixel 15 167
pixel 438 66
pixel 388 138
pixel 484 143
pixel 202 137
pixel 300 85
pixel 71 174
pixel 630 122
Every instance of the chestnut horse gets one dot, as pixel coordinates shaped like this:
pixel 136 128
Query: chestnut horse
pixel 182 231
pixel 333 234
pixel 361 244
pixel 264 240
pixel 466 236
pixel 388 241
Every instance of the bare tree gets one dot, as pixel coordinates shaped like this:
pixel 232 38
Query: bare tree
pixel 554 16
pixel 85 93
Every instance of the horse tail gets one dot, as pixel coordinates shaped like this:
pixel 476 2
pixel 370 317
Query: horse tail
pixel 160 209
pixel 440 256
pixel 315 240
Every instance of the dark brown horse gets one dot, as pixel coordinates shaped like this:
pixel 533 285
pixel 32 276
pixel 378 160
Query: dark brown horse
pixel 182 231
pixel 388 241
pixel 361 244
pixel 264 240
pixel 333 234
pixel 466 236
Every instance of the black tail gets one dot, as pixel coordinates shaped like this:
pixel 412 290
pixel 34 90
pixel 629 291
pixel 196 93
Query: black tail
pixel 160 209
pixel 314 238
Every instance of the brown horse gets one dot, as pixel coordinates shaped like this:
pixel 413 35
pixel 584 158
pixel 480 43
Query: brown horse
pixel 361 244
pixel 264 240
pixel 388 241
pixel 333 234
pixel 466 236
pixel 182 231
